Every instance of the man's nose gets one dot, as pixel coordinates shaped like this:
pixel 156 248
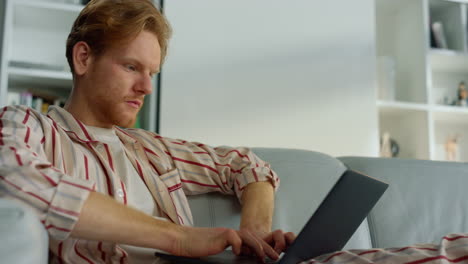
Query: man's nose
pixel 146 85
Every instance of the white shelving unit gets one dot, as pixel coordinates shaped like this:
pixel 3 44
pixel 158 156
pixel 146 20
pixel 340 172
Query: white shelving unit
pixel 420 117
pixel 33 47
pixel 32 54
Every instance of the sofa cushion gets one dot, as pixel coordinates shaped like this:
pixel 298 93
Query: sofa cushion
pixel 425 200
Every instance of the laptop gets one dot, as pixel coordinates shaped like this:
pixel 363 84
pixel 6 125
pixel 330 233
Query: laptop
pixel 328 229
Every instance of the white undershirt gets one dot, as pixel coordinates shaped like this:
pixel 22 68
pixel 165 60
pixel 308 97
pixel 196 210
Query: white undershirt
pixel 138 195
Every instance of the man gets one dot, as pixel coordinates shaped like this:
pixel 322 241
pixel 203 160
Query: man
pixel 107 194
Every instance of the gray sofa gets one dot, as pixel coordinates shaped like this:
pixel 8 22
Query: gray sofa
pixel 425 201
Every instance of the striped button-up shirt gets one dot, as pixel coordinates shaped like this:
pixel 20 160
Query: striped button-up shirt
pixel 52 162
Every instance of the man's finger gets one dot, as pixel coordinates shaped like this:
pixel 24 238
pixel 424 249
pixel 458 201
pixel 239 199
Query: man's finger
pixel 267 249
pixel 253 243
pixel 269 238
pixel 279 240
pixel 234 241
pixel 290 237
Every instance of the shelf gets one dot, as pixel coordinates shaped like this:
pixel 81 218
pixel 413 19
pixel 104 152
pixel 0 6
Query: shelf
pixel 38 76
pixel 442 60
pixel 406 123
pixel 446 52
pixel 451 114
pixel 400 108
pixel 450 15
pixel 50 5
pixel 45 15
pixel 442 113
pixel 449 122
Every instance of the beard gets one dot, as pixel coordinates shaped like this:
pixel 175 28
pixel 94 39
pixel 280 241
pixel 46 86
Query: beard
pixel 108 102
pixel 125 121
pixel 115 112
pixel 128 123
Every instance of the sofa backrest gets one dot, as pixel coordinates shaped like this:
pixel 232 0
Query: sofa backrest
pixel 306 177
pixel 425 201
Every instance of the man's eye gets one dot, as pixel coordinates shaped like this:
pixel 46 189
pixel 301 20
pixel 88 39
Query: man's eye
pixel 130 67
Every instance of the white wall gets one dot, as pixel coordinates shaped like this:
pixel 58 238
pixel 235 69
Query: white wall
pixel 270 73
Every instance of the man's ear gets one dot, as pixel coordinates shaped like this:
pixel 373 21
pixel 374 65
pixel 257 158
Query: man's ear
pixel 82 57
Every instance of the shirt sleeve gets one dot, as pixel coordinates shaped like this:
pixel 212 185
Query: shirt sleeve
pixel 27 175
pixel 223 169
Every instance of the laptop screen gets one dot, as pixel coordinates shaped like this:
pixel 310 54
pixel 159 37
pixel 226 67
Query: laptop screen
pixel 337 218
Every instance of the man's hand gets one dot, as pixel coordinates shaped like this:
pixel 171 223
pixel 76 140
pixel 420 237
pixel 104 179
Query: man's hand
pixel 278 240
pixel 199 242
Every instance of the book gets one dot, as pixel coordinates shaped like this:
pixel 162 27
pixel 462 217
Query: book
pixel 36 100
pixel 439 35
pixel 45 107
pixel 37 103
pixel 42 101
pixel 26 99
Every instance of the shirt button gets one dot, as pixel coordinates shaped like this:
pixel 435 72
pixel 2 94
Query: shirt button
pixel 120 193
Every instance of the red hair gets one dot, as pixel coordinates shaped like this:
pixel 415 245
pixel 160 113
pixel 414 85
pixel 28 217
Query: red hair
pixel 107 23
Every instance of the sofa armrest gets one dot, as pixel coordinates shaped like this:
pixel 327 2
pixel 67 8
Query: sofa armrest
pixel 23 238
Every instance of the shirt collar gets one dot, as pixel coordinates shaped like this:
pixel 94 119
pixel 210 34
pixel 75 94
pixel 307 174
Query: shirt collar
pixel 78 130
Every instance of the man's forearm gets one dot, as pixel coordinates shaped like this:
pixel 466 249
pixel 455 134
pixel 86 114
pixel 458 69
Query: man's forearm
pixel 104 219
pixel 257 206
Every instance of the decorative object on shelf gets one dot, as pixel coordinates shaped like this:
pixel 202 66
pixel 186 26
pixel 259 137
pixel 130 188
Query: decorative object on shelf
pixel 451 148
pixel 386 78
pixel 389 148
pixel 462 95
pixel 437 30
